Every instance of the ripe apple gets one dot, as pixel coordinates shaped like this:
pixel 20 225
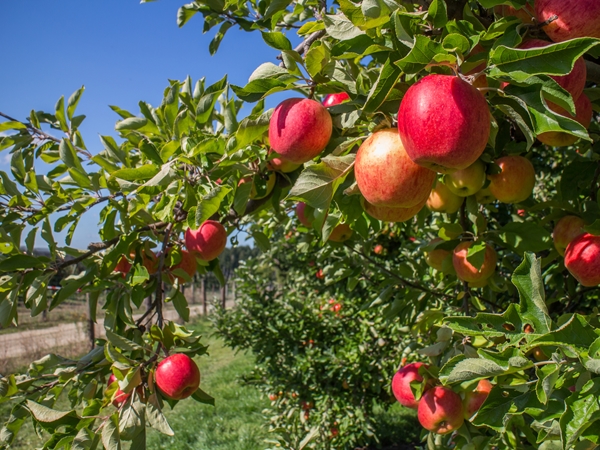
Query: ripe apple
pixel 149 261
pixel 467 181
pixel 582 259
pixel 320 275
pixel 436 257
pixel 119 397
pixel 583 115
pixel 279 164
pixel 273 397
pixel 440 410
pixel 300 129
pixel 378 249
pixel 442 199
pixel 385 174
pixel 187 264
pixel 474 399
pixel 177 376
pixel 208 241
pixel 466 271
pixel 301 212
pixel 516 180
pixel 526 14
pixel 444 123
pixel 567 229
pixel 335 99
pixel 578 18
pixel 341 233
pixel 485 196
pixel 387 214
pixel 401 384
pixel 574 82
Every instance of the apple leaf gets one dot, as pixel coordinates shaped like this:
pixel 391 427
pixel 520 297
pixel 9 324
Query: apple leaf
pixel 110 433
pixel 422 53
pixel 476 254
pixel 388 77
pixel 528 280
pixel 582 411
pixel 203 397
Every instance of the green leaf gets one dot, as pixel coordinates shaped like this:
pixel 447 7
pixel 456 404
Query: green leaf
pixel 251 130
pixel 277 40
pixel 52 417
pixel 60 114
pixel 582 411
pixel 185 13
pixel 181 305
pixel 525 237
pixel 257 89
pixel 68 155
pixel 317 58
pixel 10 125
pixel 476 254
pixel 547 377
pixel 422 53
pixel 209 204
pixel 132 419
pixel 528 280
pixel 121 342
pixel 438 13
pixel 386 81
pixel 74 101
pixel 339 27
pixel 110 433
pixel 262 241
pixel 155 416
pixel 318 182
pixel 141 173
pixel 203 397
pixel 574 337
pixel 499 403
pixel 18 262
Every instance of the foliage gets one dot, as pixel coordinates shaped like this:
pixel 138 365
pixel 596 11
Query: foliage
pixel 180 163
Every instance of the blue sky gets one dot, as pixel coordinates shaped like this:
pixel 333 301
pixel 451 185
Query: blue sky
pixel 121 50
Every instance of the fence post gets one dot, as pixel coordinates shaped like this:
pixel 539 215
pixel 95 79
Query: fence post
pixel 193 291
pixel 203 293
pixel 91 328
pixel 223 295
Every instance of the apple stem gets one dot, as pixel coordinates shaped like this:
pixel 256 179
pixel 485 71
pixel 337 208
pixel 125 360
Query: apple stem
pixel 549 20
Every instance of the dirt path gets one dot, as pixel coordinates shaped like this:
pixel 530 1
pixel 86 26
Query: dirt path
pixel 45 340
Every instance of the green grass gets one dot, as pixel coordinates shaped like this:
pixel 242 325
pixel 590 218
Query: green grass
pixel 235 423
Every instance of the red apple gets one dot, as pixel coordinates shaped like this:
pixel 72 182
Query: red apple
pixel 273 397
pixel 467 181
pixel 187 264
pixel 300 129
pixel 401 384
pixel 123 266
pixel 584 112
pixel 576 18
pixel 280 164
pixel 436 257
pixel 177 376
pixel 119 397
pixel 442 199
pixel 301 213
pixel 440 410
pixel 386 176
pixel 387 214
pixel 526 14
pixel 574 82
pixel 474 399
pixel 378 249
pixel 582 259
pixel 208 241
pixel 567 229
pixel 516 180
pixel 341 233
pixel 335 99
pixel 149 261
pixel 320 275
pixel 466 271
pixel 444 123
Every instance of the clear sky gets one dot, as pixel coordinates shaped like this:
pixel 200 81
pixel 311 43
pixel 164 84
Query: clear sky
pixel 121 50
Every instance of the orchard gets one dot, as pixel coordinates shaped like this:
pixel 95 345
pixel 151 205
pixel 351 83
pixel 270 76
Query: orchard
pixel 425 198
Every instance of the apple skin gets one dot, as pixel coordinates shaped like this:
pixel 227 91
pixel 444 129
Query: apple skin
pixel 300 208
pixel 440 410
pixel 335 99
pixel 436 257
pixel 387 214
pixel 280 164
pixel 565 230
pixel 467 181
pixel 300 129
pixel 474 399
pixel 442 199
pixel 515 182
pixel 573 82
pixel 583 115
pixel 177 376
pixel 576 18
pixel 582 259
pixel 208 241
pixel 526 14
pixel 401 384
pixel 187 263
pixel 119 396
pixel 341 233
pixel 385 174
pixel 466 271
pixel 449 138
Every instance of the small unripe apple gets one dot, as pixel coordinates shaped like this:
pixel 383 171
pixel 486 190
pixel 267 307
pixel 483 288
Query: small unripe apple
pixel 401 384
pixel 467 181
pixel 378 249
pixel 467 271
pixel 385 174
pixel 442 199
pixel 485 196
pixel 582 259
pixel 584 113
pixel 302 216
pixel 436 257
pixel 475 398
pixel 280 164
pixel 208 241
pixel 119 397
pixel 444 123
pixel 177 376
pixel 387 214
pixel 580 18
pixel 567 229
pixel 300 129
pixel 440 410
pixel 341 233
pixel 335 99
pixel 516 180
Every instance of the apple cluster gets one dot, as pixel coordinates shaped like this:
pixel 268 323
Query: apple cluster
pixel 439 409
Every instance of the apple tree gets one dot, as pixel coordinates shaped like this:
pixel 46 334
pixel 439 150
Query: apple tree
pixel 468 125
